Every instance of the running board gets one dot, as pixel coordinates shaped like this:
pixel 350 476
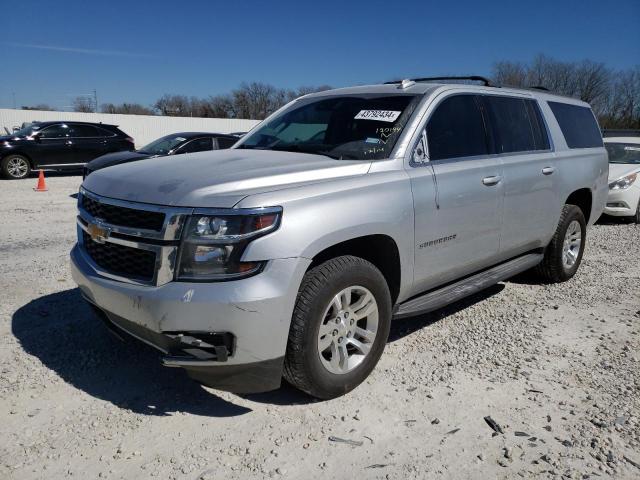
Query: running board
pixel 436 299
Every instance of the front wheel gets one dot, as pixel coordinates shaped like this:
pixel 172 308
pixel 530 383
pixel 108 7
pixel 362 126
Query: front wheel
pixel 339 328
pixel 564 253
pixel 15 167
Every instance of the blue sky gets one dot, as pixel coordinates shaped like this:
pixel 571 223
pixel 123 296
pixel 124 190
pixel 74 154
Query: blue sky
pixel 137 51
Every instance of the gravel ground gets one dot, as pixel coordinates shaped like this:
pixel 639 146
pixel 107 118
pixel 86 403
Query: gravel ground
pixel 555 367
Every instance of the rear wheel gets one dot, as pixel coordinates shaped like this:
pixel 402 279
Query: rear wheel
pixel 339 328
pixel 564 253
pixel 15 167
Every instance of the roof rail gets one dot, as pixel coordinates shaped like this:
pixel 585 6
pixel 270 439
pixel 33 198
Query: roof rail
pixel 475 78
pixel 539 87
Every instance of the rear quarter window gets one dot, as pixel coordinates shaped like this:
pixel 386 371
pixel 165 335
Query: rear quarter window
pixel 578 125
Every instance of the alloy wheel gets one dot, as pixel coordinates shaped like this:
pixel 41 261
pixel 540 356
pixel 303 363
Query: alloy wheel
pixel 17 167
pixel 571 245
pixel 348 329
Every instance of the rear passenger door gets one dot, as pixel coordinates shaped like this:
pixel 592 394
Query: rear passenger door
pixel 457 195
pixel 88 144
pixel 530 197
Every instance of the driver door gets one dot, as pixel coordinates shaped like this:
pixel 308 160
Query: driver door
pixel 54 146
pixel 457 193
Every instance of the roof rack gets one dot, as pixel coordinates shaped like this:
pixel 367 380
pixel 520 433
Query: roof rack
pixel 475 78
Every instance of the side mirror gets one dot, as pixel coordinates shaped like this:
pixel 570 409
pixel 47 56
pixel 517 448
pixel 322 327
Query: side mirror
pixel 36 137
pixel 420 152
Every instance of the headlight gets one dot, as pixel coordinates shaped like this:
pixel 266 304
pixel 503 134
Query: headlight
pixel 212 245
pixel 624 182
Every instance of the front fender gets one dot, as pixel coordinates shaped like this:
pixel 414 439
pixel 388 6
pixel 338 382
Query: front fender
pixel 316 217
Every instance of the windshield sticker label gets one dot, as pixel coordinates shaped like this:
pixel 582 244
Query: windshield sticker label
pixel 378 115
pixel 372 140
pixel 632 149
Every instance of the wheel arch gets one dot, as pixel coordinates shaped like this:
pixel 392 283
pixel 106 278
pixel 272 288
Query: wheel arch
pixel 583 199
pixel 379 249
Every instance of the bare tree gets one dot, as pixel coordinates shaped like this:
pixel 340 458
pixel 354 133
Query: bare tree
pixel 614 96
pixel 126 108
pixel 174 106
pixel 255 100
pixel 40 106
pixel 622 109
pixel 510 73
pixel 83 104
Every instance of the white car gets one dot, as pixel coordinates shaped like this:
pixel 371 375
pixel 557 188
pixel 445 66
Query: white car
pixel 624 174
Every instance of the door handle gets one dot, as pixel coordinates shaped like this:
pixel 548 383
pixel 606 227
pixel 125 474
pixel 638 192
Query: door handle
pixel 68 142
pixel 548 170
pixel 489 181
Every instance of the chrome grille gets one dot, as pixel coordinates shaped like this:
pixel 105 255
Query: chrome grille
pixel 126 261
pixel 134 242
pixel 124 216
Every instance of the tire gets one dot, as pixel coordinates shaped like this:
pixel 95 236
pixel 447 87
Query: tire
pixel 15 167
pixel 307 365
pixel 554 267
pixel 636 217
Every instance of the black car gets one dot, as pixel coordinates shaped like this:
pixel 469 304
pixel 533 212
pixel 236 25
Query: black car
pixel 58 146
pixel 174 144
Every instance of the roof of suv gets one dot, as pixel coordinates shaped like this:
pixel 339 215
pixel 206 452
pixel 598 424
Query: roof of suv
pixel 201 134
pixel 52 122
pixel 422 88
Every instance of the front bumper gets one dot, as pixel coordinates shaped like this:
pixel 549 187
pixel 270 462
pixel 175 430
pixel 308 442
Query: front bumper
pixel 255 312
pixel 623 203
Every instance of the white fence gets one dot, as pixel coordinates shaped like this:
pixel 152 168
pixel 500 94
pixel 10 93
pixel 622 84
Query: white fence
pixel 143 128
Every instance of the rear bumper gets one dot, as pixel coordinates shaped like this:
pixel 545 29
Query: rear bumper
pixel 244 323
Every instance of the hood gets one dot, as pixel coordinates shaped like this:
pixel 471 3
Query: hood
pixel 618 170
pixel 115 158
pixel 219 178
pixel 12 138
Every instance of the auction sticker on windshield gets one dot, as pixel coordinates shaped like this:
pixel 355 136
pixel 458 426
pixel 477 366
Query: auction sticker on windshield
pixel 378 115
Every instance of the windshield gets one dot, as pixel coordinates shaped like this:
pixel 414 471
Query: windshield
pixel 25 131
pixel 346 127
pixel 163 145
pixel 623 152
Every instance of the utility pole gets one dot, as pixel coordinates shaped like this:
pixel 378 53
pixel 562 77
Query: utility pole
pixel 95 100
pixel 14 100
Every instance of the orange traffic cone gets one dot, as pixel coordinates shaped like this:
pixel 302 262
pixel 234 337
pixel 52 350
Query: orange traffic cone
pixel 42 186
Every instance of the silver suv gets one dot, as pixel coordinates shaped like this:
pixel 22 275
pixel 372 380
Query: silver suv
pixel 289 254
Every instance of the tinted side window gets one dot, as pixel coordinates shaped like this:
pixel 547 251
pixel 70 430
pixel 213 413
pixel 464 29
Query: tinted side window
pixel 511 124
pixel 105 133
pixel 578 125
pixel 539 128
pixel 83 131
pixel 56 131
pixel 196 145
pixel 224 142
pixel 456 129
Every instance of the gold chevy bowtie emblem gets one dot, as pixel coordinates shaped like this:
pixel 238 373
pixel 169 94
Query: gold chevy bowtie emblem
pixel 97 232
